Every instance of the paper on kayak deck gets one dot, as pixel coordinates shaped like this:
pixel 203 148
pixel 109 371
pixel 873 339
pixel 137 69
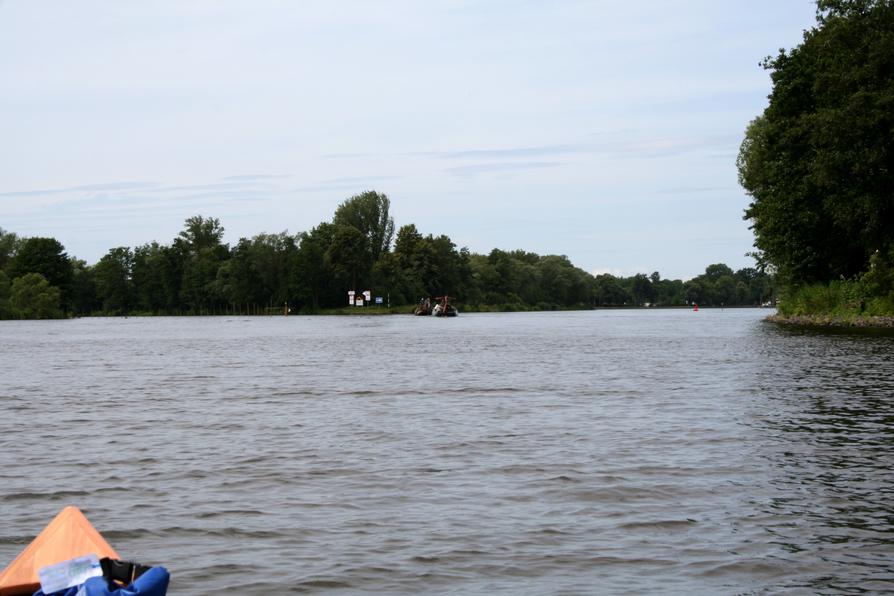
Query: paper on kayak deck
pixel 69 573
pixel 69 535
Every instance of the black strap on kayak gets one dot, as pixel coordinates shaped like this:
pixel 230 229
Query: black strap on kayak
pixel 123 572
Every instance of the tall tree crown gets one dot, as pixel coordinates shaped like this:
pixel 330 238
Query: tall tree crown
pixel 368 212
pixel 819 162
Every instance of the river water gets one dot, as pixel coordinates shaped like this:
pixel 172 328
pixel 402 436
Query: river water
pixel 611 452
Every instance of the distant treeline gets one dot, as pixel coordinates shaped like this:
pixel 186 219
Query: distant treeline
pixel 198 274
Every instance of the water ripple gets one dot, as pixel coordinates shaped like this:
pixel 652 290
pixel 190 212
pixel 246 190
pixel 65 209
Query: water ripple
pixel 621 452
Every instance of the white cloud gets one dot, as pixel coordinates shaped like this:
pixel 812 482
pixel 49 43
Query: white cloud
pixel 267 115
pixel 626 272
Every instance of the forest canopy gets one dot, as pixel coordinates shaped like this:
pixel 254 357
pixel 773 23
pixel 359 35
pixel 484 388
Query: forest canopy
pixel 197 273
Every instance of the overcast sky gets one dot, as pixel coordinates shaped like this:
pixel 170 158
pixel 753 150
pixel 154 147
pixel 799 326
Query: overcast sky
pixel 605 131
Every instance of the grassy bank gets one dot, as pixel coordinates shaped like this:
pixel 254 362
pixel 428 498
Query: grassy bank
pixel 867 301
pixel 845 298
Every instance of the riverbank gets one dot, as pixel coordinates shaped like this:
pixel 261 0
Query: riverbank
pixel 497 308
pixel 839 321
pixel 381 310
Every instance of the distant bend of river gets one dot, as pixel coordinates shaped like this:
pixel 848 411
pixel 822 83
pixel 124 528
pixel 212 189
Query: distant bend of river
pixel 603 452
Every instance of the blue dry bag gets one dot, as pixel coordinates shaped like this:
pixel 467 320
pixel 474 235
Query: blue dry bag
pixel 153 582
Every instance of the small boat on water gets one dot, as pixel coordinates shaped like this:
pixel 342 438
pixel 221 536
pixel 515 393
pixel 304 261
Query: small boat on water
pixel 440 308
pixel 443 308
pixel 423 308
pixel 69 557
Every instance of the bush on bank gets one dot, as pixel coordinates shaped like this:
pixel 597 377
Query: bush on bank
pixel 868 295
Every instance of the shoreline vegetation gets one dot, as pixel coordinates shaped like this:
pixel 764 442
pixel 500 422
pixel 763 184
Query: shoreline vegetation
pixel 817 164
pixel 315 272
pixel 373 311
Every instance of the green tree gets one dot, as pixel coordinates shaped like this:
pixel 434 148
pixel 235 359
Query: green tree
pixel 172 268
pixel 263 270
pixel 202 234
pixel 725 291
pixel 758 286
pixel 275 260
pixel 412 255
pixel 9 244
pixel 485 278
pixel 695 292
pixel 315 287
pixel 504 285
pixel 368 213
pixel 562 283
pixel 347 256
pixel 818 161
pixel 47 257
pixel 641 288
pixel 669 292
pixel 426 266
pixel 716 271
pixel 84 298
pixel 446 266
pixel 32 297
pixel 239 278
pixel 203 252
pixel 541 280
pixel 609 291
pixel 719 286
pixel 113 278
pixel 5 288
pixel 389 277
pixel 156 274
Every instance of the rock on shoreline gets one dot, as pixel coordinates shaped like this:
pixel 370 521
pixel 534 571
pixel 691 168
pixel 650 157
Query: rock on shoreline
pixel 834 321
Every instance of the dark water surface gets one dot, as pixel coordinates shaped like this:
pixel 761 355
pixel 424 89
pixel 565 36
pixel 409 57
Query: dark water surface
pixel 622 452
